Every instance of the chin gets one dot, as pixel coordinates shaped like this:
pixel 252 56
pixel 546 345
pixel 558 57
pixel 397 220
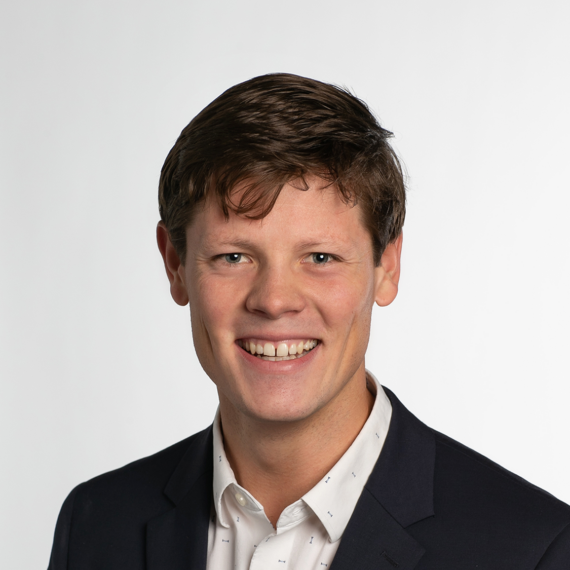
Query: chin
pixel 292 403
pixel 278 414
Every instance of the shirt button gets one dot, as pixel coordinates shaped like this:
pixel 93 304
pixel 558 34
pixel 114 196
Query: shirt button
pixel 240 499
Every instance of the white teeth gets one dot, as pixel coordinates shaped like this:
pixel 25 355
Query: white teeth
pixel 268 349
pixel 282 350
pixel 279 358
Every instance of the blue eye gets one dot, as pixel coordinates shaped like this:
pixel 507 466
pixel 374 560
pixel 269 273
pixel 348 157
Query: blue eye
pixel 233 257
pixel 321 258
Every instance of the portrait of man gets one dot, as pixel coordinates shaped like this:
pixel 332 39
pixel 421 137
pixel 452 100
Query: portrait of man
pixel 282 205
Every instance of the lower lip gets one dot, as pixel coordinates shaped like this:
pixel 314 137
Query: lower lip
pixel 279 366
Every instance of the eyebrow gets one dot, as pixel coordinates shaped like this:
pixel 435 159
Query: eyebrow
pixel 238 243
pixel 320 244
pixel 317 245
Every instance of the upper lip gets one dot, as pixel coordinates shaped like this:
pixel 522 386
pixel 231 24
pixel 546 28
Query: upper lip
pixel 277 338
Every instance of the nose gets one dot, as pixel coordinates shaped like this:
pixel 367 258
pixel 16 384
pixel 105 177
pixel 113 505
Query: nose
pixel 275 292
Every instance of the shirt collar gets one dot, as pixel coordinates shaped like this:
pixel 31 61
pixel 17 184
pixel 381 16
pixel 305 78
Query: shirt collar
pixel 334 498
pixel 224 477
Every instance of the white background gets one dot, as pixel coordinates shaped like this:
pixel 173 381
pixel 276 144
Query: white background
pixel 96 361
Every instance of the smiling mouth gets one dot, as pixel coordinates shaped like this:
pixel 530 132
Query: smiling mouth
pixel 277 351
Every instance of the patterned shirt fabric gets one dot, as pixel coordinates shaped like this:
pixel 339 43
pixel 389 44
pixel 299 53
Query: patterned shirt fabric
pixel 308 532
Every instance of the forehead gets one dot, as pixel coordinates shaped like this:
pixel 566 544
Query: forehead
pixel 317 215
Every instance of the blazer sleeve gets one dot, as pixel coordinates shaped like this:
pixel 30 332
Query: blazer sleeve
pixel 557 556
pixel 58 559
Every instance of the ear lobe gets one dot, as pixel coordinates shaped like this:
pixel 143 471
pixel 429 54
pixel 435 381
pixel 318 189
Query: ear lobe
pixel 172 264
pixel 388 273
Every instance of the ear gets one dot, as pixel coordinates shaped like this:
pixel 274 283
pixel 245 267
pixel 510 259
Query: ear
pixel 388 273
pixel 172 264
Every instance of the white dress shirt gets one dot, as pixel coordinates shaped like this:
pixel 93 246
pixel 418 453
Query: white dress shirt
pixel 308 532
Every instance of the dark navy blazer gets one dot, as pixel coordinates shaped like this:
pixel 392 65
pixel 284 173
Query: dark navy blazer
pixel 429 504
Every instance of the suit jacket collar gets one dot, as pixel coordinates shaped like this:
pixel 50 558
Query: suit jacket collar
pixel 402 480
pixel 398 493
pixel 178 539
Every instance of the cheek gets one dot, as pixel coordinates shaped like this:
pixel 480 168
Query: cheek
pixel 344 303
pixel 212 306
pixel 347 314
pixel 210 317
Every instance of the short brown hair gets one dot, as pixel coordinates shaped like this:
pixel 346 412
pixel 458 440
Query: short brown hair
pixel 271 130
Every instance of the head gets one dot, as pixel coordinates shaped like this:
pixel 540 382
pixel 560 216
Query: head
pixel 274 129
pixel 282 206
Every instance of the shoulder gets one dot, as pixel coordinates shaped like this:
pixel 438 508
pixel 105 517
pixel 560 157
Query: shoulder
pixel 480 505
pixel 483 484
pixel 142 480
pixel 461 506
pixel 109 513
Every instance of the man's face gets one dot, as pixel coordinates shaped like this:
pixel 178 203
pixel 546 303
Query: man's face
pixel 297 286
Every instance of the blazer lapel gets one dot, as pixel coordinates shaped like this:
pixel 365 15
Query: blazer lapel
pixel 178 539
pixel 375 541
pixel 398 494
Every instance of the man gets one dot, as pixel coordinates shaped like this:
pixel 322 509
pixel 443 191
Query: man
pixel 282 207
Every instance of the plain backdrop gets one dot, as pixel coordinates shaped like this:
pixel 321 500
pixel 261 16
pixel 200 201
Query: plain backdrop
pixel 96 361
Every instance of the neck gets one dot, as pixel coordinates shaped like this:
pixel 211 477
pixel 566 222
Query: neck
pixel 279 462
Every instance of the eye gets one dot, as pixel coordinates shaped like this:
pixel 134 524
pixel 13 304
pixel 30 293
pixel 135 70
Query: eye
pixel 321 258
pixel 233 257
